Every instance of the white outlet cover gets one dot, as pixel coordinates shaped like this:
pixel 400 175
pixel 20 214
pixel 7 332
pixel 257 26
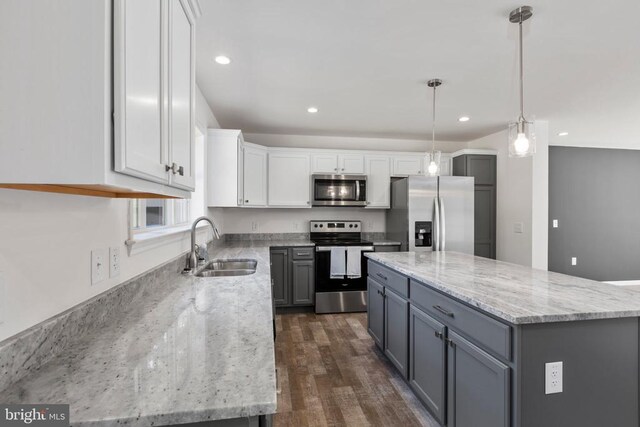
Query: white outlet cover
pixel 553 377
pixel 574 261
pixel 114 262
pixel 518 227
pixel 555 223
pixel 99 266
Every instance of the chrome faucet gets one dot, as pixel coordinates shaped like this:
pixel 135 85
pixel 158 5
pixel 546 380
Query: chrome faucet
pixel 192 261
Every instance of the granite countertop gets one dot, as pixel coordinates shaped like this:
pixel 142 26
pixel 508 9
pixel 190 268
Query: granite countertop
pixel 194 349
pixel 512 292
pixel 378 242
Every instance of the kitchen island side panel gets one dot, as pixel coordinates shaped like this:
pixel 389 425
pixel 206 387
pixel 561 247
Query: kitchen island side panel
pixel 600 373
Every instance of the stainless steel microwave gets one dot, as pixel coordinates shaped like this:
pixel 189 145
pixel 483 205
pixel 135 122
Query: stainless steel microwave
pixel 339 190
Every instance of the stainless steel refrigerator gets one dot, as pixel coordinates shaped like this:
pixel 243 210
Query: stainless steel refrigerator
pixel 432 213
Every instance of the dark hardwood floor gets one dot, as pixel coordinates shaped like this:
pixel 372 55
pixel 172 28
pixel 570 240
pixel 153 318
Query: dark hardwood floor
pixel 331 373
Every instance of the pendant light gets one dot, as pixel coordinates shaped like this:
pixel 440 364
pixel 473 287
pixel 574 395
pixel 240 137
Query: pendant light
pixel 434 158
pixel 522 138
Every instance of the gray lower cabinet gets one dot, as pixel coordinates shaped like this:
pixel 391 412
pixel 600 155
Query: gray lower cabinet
pixel 478 386
pixel 375 311
pixel 280 275
pixel 293 276
pixel 427 361
pixel 396 316
pixel 302 277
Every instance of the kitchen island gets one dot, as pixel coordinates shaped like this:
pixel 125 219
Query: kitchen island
pixel 161 349
pixel 478 341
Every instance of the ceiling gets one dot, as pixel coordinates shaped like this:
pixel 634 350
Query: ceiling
pixel 365 63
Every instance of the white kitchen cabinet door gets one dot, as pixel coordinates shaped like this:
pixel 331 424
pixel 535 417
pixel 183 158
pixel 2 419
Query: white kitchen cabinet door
pixel 351 164
pixel 446 165
pixel 139 78
pixel 324 163
pixel 289 180
pixel 255 177
pixel 182 95
pixel 378 169
pixel 407 165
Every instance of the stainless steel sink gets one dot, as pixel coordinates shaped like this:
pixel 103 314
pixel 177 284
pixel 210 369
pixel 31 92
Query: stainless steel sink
pixel 227 267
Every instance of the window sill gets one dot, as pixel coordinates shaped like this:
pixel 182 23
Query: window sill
pixel 149 240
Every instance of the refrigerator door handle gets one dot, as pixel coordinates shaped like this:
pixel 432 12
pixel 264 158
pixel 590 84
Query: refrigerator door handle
pixel 443 226
pixel 436 224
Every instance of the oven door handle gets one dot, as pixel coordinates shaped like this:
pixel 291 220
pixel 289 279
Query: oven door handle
pixel 328 248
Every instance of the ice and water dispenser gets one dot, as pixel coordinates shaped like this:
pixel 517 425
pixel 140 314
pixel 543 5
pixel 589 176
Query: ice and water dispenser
pixel 423 233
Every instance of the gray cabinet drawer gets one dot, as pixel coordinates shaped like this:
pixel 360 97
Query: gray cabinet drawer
pixel 302 253
pixel 389 278
pixel 487 332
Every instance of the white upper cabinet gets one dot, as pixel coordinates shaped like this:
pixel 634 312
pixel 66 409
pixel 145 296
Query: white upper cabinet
pixel 351 164
pixel 378 170
pixel 408 165
pixel 140 146
pixel 337 163
pixel 225 168
pixel 446 165
pixel 324 163
pixel 182 95
pixel 255 176
pixel 289 179
pixel 154 91
pixel 114 111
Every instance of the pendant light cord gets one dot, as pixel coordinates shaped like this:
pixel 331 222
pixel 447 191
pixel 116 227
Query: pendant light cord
pixel 521 75
pixel 433 126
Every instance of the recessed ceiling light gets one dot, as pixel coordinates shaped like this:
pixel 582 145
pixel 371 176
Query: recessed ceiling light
pixel 463 119
pixel 312 110
pixel 563 134
pixel 223 60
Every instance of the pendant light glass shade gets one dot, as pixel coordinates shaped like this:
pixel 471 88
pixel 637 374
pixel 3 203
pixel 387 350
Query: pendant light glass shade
pixel 432 160
pixel 522 139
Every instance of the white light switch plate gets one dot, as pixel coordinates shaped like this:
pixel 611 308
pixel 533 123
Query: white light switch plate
pixel 114 262
pixel 99 266
pixel 553 377
pixel 518 227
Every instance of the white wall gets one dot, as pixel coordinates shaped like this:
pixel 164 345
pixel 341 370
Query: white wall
pixel 522 197
pixel 45 249
pixel 350 143
pixel 242 220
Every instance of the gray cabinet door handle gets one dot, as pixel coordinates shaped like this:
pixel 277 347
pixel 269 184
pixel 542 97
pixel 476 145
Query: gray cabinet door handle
pixel 450 342
pixel 382 276
pixel 443 311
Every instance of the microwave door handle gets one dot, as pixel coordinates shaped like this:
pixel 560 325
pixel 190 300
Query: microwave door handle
pixel 357 191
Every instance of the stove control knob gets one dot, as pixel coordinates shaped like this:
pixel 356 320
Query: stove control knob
pixel 320 225
pixel 356 226
pixel 350 225
pixel 315 225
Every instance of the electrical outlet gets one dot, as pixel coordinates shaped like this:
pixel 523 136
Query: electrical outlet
pixel 99 266
pixel 555 223
pixel 553 377
pixel 574 261
pixel 114 262
pixel 518 227
pixel 254 226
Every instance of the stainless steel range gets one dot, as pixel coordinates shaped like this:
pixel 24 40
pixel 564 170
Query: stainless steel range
pixel 337 292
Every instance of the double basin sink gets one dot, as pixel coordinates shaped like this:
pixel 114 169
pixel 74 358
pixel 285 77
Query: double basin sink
pixel 227 267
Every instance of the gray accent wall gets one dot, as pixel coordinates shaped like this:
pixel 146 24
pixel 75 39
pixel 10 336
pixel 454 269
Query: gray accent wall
pixel 594 193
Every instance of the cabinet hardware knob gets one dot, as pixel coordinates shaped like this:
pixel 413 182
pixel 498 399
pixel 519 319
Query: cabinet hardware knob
pixel 175 169
pixel 246 201
pixel 439 334
pixel 335 169
pixel 342 169
pixel 307 202
pixel 450 342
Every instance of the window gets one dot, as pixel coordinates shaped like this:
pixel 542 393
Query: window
pixel 159 214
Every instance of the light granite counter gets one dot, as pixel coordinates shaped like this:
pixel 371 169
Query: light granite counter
pixel 192 349
pixel 517 294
